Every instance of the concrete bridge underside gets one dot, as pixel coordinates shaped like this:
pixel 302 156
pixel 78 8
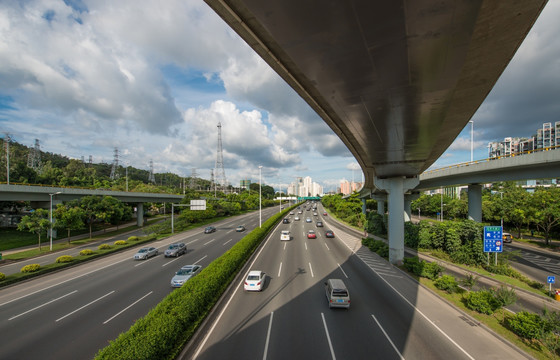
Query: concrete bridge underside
pixel 397 81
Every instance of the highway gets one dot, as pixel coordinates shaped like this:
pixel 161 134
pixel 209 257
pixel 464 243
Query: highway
pixel 390 317
pixel 73 313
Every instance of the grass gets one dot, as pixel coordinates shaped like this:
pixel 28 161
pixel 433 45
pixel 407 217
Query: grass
pixel 495 322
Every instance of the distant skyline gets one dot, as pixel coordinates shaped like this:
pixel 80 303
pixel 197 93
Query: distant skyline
pixel 155 79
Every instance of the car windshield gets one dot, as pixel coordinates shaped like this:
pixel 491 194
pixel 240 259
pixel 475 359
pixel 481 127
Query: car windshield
pixel 184 271
pixel 253 277
pixel 143 250
pixel 171 247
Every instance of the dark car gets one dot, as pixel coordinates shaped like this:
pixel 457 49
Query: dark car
pixel 286 221
pixel 319 224
pixel 209 229
pixel 175 250
pixel 329 234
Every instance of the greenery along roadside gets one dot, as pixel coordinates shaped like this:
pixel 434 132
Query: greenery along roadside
pixel 537 334
pixel 164 331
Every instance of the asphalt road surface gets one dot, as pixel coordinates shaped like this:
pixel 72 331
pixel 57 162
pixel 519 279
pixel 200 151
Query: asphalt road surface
pixel 390 317
pixel 74 313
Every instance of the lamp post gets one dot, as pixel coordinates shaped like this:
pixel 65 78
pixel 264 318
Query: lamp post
pixel 50 215
pixel 260 196
pixel 418 214
pixel 472 136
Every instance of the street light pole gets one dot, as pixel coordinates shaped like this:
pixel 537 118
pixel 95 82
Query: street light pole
pixel 472 137
pixel 50 216
pixel 260 196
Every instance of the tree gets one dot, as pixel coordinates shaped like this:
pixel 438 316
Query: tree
pixel 90 206
pixel 515 206
pixel 37 222
pixel 69 217
pixel 546 209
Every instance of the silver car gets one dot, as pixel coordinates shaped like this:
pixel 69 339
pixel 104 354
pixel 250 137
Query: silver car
pixel 145 253
pixel 175 250
pixel 184 274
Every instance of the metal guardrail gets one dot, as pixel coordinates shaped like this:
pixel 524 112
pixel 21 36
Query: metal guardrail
pixel 488 160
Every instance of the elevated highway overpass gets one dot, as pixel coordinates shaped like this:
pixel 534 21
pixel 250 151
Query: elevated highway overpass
pixel 40 196
pixel 517 167
pixel 397 81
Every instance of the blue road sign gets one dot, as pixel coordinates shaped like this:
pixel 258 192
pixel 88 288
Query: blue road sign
pixel 550 279
pixel 493 239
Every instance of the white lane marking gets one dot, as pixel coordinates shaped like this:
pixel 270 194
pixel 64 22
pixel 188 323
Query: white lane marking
pixel 40 306
pixel 305 245
pixel 145 261
pixel 421 313
pixel 388 338
pixel 285 246
pixel 63 282
pixel 268 336
pixel 342 270
pixel 206 243
pixel 280 269
pixel 126 308
pixel 328 336
pixel 171 261
pixel 201 346
pixel 227 242
pixel 190 242
pixel 310 268
pixel 327 247
pixel 202 258
pixel 86 305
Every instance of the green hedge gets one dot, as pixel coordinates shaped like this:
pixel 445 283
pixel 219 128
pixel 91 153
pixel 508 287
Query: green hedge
pixel 164 331
pixel 64 259
pixel 30 268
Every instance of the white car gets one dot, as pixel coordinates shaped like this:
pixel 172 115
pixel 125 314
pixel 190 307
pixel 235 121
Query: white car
pixel 308 220
pixel 296 218
pixel 285 235
pixel 254 281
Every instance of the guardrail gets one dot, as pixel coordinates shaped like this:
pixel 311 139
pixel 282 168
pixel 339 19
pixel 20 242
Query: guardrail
pixel 488 159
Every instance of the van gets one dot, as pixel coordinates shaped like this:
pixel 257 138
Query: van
pixel 337 293
pixel 285 235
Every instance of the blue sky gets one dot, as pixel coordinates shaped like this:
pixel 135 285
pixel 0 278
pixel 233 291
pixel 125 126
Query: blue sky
pixel 84 77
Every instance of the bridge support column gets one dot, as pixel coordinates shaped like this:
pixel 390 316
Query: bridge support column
pixel 406 214
pixel 381 207
pixel 396 188
pixel 140 214
pixel 475 202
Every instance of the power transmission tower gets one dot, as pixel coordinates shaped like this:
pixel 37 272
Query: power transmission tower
pixel 221 173
pixel 114 168
pixel 192 182
pixel 152 178
pixel 212 181
pixel 34 157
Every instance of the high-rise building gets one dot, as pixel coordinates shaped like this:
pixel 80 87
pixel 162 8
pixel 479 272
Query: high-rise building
pixel 547 136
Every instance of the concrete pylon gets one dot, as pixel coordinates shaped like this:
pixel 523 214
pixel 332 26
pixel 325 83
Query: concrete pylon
pixel 396 187
pixel 140 214
pixel 475 202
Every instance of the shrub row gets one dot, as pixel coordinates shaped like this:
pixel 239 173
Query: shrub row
pixel 377 246
pixel 430 270
pixel 120 242
pixel 162 333
pixel 64 259
pixel 30 268
pixel 2 276
pixel 461 240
